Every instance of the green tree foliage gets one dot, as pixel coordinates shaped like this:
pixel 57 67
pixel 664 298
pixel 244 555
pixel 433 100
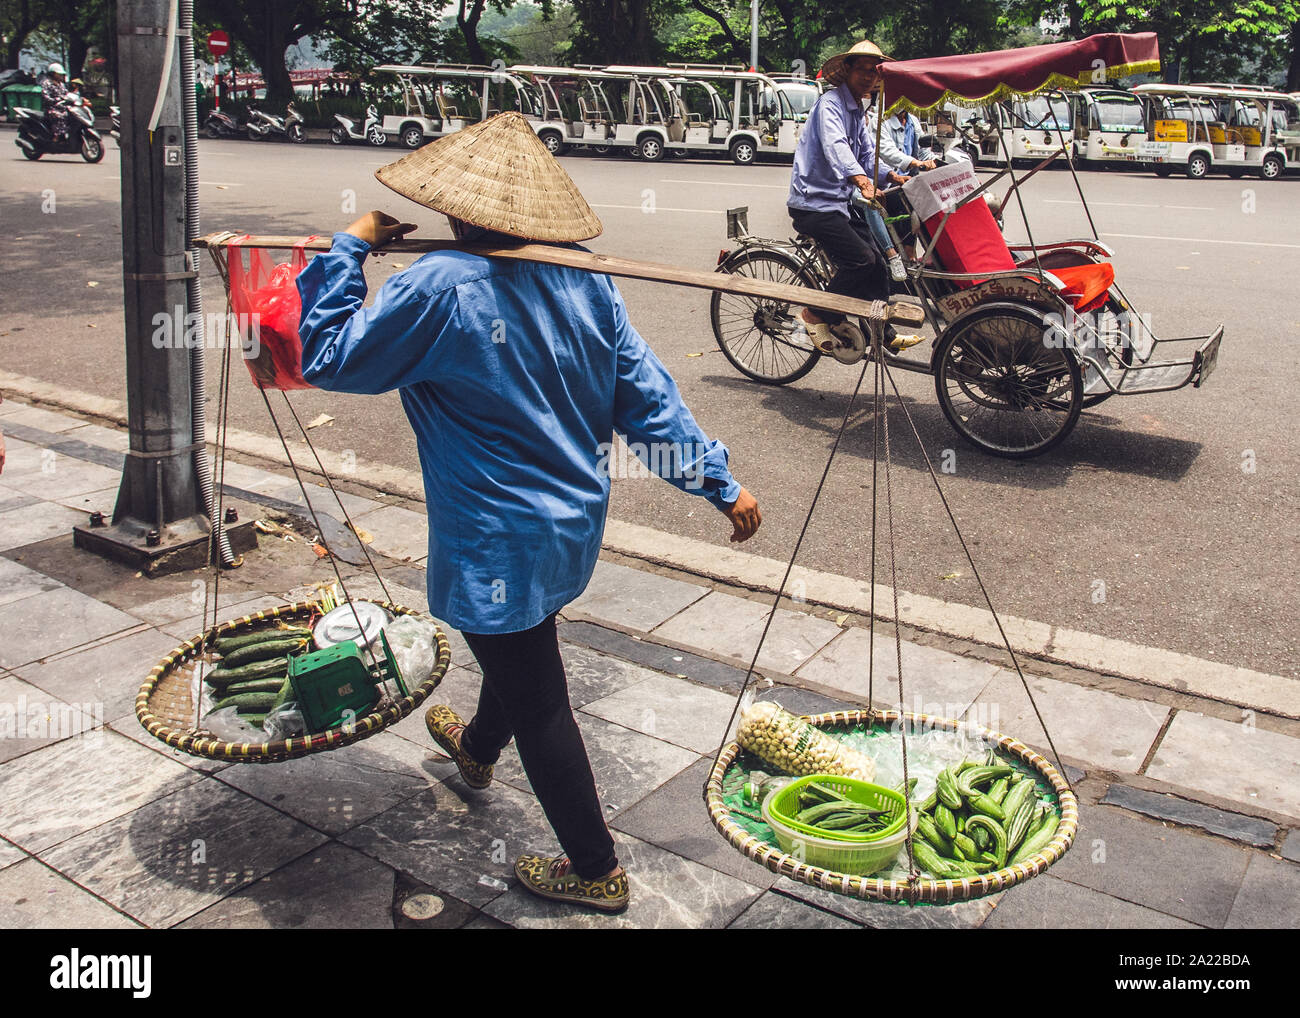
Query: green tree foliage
pixel 1200 39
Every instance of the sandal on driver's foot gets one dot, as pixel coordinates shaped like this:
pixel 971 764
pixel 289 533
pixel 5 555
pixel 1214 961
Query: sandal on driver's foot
pixel 552 878
pixel 445 726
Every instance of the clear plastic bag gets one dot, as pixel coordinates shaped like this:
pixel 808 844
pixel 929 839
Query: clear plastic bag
pixel 228 725
pixel 411 640
pixel 285 722
pixel 793 746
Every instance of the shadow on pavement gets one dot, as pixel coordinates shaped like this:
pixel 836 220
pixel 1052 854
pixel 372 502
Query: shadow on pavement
pixel 1098 441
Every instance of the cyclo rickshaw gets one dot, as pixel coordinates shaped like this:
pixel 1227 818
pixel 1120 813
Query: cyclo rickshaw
pixel 1025 336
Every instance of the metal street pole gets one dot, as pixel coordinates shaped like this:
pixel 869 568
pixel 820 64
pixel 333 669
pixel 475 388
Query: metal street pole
pixel 753 35
pixel 159 524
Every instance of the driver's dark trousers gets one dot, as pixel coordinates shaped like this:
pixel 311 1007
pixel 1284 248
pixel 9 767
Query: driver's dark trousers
pixel 860 270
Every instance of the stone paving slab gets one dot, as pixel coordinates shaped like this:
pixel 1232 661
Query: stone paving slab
pixel 187 628
pixel 337 790
pixel 730 627
pixel 333 888
pixel 18 582
pixel 177 855
pixel 130 727
pixel 1048 903
pixel 1269 898
pixel 107 676
pixel 398 532
pixel 103 500
pixel 934 681
pixel 30 719
pixel 1164 806
pixel 594 676
pixel 667 892
pixel 255 479
pixel 1291 846
pixel 1237 761
pixel 57 620
pixel 1111 731
pixel 461 842
pixel 34 897
pixel 674 817
pixel 10 854
pixel 632 598
pixel 674 710
pixel 62 476
pixel 773 911
pixel 1173 871
pixel 627 765
pixel 657 656
pixel 189 603
pixel 38 417
pixel 323 500
pixel 12 498
pixel 63 790
pixel 97 434
pixel 882 915
pixel 24 526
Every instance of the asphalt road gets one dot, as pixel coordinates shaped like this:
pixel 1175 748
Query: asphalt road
pixel 1168 520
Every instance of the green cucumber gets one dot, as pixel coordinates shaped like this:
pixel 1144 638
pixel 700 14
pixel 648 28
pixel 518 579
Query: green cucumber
pixel 946 820
pixel 262 651
pixel 223 677
pixel 994 830
pixel 946 787
pixel 228 644
pixel 1040 839
pixel 999 790
pixel 272 684
pixel 248 702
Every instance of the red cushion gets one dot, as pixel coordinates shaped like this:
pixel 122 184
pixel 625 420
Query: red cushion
pixel 970 242
pixel 1086 285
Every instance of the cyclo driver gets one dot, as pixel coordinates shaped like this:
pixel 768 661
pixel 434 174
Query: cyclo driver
pixel 834 156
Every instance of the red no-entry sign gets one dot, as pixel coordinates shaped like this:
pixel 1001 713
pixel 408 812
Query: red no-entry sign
pixel 218 43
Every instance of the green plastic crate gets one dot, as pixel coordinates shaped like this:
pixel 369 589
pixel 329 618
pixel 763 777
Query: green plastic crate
pixel 338 683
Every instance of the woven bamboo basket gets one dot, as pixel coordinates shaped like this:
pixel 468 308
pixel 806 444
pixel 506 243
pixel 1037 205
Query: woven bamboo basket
pixel 920 890
pixel 166 709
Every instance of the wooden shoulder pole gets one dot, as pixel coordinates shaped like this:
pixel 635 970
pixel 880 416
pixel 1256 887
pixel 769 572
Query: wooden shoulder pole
pixel 612 265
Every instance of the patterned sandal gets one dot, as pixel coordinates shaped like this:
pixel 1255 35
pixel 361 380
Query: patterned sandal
pixel 550 878
pixel 445 726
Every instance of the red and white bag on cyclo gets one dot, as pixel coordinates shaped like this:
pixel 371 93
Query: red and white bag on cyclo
pixel 264 299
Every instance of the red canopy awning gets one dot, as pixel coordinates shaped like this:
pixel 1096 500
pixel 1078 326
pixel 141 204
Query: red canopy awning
pixel 977 78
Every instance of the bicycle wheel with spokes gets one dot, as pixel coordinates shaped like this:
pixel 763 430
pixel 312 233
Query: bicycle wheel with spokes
pixel 1004 386
pixel 764 338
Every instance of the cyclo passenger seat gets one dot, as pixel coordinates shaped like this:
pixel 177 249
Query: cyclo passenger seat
pixel 972 242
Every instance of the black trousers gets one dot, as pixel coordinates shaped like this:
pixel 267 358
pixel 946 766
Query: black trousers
pixel 525 696
pixel 860 269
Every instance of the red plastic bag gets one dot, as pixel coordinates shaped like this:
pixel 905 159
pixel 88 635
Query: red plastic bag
pixel 264 298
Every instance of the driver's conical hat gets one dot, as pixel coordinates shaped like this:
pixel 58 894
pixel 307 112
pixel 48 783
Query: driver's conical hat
pixel 833 69
pixel 497 175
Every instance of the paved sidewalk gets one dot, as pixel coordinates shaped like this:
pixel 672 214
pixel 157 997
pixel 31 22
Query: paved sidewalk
pixel 1187 803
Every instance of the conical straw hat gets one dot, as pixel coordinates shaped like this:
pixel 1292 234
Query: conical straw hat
pixel 497 175
pixel 833 69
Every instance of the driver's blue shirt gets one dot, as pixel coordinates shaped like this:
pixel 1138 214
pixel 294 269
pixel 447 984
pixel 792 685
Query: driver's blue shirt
pixel 514 376
pixel 833 146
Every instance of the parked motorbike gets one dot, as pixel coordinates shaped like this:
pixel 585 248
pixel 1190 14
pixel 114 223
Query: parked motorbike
pixel 264 125
pixel 115 122
pixel 36 138
pixel 347 130
pixel 222 125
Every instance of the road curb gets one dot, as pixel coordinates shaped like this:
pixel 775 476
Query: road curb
pixel 1183 673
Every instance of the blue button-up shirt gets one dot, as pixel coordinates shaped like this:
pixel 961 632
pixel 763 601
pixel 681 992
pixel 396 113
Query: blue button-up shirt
pixel 833 146
pixel 514 376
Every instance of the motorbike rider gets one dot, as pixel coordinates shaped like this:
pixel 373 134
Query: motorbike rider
pixel 54 91
pixel 833 158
